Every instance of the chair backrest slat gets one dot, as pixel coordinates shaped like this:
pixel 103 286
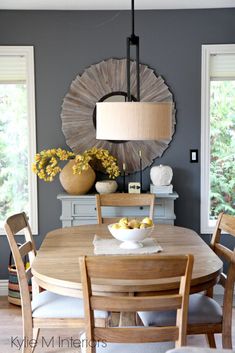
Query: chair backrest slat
pixel 136 269
pixel 227 224
pixel 141 268
pixel 25 248
pixel 130 304
pixel 111 220
pixel 139 335
pixel 123 200
pixel 17 222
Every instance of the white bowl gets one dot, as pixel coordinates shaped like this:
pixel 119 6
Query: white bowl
pixel 130 238
pixel 106 186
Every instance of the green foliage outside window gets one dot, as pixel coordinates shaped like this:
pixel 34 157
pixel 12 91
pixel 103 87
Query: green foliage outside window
pixel 222 144
pixel 13 150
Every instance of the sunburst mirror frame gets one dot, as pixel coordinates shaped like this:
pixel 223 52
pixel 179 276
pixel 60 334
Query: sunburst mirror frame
pixel 103 80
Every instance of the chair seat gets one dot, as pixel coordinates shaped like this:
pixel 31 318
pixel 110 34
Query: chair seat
pixel 199 350
pixel 107 347
pixel 202 310
pixel 51 305
pixel 160 347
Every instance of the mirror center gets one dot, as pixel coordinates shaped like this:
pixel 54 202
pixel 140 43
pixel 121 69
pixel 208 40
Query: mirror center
pixel 117 96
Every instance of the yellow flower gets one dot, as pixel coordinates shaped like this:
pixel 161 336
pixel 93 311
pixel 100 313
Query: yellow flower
pixel 46 162
pixel 34 167
pixel 37 157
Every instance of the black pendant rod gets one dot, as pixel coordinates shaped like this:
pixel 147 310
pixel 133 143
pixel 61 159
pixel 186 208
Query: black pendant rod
pixel 134 41
pixel 133 16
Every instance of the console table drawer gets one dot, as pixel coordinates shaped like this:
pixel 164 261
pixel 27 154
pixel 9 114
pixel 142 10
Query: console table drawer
pixel 83 209
pixel 133 211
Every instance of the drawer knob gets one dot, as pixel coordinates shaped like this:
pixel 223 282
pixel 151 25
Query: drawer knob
pixel 141 207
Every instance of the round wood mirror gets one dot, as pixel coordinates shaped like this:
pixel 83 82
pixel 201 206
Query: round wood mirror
pixel 106 81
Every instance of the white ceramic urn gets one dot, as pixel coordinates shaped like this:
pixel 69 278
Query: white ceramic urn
pixel 161 175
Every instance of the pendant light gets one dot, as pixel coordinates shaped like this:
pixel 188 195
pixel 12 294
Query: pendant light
pixel 133 120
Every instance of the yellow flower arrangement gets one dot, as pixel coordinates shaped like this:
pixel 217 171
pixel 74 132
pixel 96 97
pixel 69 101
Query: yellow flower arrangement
pixel 46 164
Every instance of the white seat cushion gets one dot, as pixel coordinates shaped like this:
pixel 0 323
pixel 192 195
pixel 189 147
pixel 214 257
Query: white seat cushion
pixel 199 350
pixel 51 305
pixel 202 309
pixel 160 347
pixel 104 347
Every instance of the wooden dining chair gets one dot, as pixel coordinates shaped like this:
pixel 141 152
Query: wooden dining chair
pixel 47 309
pixel 123 200
pixel 134 269
pixel 205 315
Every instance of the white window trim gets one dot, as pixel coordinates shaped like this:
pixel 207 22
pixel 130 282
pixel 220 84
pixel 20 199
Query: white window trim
pixel 28 52
pixel 207 226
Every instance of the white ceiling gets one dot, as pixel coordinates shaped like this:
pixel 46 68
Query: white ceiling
pixel 112 4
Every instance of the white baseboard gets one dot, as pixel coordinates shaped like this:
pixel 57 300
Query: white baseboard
pixel 3 287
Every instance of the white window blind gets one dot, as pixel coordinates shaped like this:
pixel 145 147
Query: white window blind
pixel 222 66
pixel 12 69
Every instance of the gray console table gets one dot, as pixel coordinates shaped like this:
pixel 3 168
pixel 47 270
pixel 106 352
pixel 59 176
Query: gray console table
pixel 77 210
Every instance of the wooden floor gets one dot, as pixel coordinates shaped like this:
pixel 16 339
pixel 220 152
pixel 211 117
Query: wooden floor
pixel 58 342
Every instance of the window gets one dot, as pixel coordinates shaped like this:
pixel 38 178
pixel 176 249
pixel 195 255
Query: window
pixel 18 185
pixel 217 134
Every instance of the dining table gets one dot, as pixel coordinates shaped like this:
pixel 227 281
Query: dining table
pixel 56 266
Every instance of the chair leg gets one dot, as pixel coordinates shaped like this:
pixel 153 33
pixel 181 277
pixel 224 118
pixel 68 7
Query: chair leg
pixel 211 340
pixel 227 341
pixel 28 336
pixel 227 330
pixel 127 319
pixel 27 329
pixel 36 332
pixel 113 320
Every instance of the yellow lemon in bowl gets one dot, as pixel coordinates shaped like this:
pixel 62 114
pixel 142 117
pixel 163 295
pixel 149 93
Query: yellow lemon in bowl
pixel 148 221
pixel 123 222
pixel 134 223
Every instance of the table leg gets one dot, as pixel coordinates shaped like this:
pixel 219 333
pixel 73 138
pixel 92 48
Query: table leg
pixel 114 319
pixel 127 319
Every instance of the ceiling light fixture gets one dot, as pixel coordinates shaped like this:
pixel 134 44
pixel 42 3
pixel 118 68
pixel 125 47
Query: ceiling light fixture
pixel 133 120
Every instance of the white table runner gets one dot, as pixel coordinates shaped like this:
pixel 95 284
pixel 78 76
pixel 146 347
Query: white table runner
pixel 112 247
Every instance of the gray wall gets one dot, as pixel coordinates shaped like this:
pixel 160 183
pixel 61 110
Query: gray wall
pixel 67 42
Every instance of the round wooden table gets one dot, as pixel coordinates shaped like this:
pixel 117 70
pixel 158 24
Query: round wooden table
pixel 56 266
